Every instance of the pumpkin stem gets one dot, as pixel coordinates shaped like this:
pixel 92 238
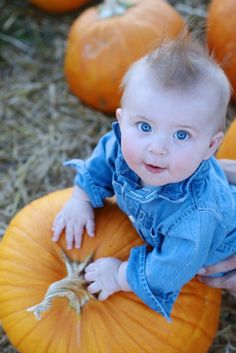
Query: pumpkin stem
pixel 73 286
pixel 111 8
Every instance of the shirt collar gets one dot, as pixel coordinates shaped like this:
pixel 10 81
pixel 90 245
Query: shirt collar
pixel 116 129
pixel 179 191
pixel 174 192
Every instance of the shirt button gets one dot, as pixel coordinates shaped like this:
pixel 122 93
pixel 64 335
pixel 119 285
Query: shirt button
pixel 132 218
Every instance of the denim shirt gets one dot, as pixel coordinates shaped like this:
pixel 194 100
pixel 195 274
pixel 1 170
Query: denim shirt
pixel 184 225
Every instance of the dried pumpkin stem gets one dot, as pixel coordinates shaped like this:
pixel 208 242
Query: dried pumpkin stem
pixel 111 8
pixel 73 286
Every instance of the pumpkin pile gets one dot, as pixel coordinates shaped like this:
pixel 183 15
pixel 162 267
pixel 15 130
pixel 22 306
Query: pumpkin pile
pixel 106 39
pixel 221 36
pixel 30 262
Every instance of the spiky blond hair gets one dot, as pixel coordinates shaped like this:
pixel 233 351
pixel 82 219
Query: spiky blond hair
pixel 184 64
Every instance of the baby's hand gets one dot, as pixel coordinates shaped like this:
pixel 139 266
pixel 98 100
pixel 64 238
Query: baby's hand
pixel 76 215
pixel 108 275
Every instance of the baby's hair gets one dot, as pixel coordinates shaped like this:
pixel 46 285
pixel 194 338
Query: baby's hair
pixel 179 63
pixel 183 64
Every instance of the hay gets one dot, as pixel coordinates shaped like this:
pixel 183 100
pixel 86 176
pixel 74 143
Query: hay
pixel 42 124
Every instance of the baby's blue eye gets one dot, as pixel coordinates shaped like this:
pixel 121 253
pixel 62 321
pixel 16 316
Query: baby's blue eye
pixel 145 127
pixel 181 135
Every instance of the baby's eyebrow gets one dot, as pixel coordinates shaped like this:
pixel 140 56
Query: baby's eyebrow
pixel 187 127
pixel 140 117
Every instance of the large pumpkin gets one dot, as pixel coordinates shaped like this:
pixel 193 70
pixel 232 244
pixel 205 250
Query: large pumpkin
pixel 100 50
pixel 221 36
pixel 30 262
pixel 58 5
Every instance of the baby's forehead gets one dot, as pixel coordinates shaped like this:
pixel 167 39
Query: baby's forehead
pixel 193 106
pixel 145 81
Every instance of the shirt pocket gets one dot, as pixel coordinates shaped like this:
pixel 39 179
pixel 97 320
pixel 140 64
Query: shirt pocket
pixel 156 237
pixel 147 229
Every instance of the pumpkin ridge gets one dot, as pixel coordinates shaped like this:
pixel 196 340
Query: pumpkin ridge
pixel 19 321
pixel 147 329
pixel 196 332
pixel 16 264
pixel 25 236
pixel 60 328
pixel 117 329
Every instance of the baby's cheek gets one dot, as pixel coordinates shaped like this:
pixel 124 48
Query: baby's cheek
pixel 129 151
pixel 185 166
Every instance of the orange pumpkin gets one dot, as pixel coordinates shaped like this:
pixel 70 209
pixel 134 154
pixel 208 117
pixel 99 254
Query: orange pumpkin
pixel 100 50
pixel 58 5
pixel 221 36
pixel 30 262
pixel 228 147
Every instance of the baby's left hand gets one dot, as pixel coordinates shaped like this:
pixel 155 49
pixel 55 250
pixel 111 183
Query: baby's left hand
pixel 108 277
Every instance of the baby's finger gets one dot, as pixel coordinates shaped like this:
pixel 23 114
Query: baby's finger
pixel 59 217
pixel 78 232
pixel 94 287
pixel 103 295
pixel 69 235
pixel 90 227
pixel 90 267
pixel 58 228
pixel 90 276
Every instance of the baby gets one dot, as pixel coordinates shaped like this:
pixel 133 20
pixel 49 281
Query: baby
pixel 158 162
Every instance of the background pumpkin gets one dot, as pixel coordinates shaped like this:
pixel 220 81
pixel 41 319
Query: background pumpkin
pixel 58 5
pixel 228 147
pixel 30 262
pixel 221 36
pixel 100 50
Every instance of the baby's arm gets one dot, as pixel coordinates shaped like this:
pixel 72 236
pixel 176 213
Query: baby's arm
pixel 229 167
pixel 76 215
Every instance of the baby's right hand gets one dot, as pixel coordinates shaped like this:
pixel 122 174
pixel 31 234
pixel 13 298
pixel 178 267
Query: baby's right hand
pixel 76 215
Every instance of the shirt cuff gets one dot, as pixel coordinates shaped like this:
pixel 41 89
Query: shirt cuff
pixel 136 277
pixel 84 180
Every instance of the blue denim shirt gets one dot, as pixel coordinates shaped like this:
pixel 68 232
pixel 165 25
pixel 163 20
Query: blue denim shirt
pixel 184 225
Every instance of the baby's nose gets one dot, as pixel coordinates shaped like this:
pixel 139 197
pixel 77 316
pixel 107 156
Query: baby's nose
pixel 158 147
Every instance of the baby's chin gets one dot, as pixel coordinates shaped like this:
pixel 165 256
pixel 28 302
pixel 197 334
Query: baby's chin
pixel 158 183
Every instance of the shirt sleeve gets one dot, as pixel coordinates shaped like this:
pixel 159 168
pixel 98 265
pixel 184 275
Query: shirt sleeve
pixel 94 175
pixel 157 276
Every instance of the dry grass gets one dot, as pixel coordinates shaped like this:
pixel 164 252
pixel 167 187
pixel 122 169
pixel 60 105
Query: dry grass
pixel 42 124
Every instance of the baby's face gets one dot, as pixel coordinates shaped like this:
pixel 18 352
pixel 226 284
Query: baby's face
pixel 165 135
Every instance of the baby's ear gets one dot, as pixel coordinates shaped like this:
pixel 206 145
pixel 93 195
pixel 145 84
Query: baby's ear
pixel 118 114
pixel 215 143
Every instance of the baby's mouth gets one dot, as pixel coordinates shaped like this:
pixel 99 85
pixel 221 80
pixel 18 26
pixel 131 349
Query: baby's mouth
pixel 154 169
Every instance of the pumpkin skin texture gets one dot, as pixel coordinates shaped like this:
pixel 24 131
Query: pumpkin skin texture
pixel 228 147
pixel 30 262
pixel 221 36
pixel 99 51
pixel 58 6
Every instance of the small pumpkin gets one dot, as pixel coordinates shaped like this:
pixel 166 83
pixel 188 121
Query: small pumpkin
pixel 58 5
pixel 221 36
pixel 105 40
pixel 228 147
pixel 30 262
